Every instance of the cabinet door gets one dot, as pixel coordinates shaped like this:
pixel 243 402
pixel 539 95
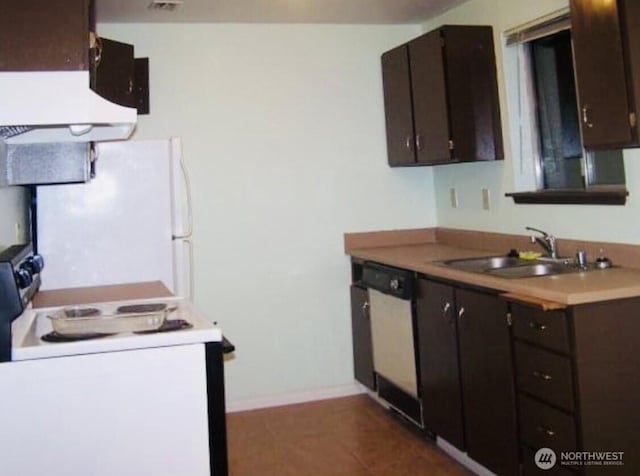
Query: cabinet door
pixel 361 332
pixel 114 77
pixel 429 99
pixel 608 381
pixel 397 106
pixel 439 370
pixel 50 35
pixel 472 93
pixel 487 381
pixel 600 73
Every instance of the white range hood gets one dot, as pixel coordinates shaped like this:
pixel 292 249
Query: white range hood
pixel 58 106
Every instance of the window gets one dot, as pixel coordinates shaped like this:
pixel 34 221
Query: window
pixel 548 116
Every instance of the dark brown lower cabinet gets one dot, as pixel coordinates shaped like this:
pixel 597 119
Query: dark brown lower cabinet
pixel 361 335
pixel 578 381
pixel 606 336
pixel 501 379
pixel 466 373
pixel 488 393
pixel 439 364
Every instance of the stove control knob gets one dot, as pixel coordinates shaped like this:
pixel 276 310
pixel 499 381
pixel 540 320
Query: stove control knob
pixel 23 278
pixel 34 264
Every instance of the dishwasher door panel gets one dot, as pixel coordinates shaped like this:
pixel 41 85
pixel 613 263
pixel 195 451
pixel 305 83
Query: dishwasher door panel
pixel 393 342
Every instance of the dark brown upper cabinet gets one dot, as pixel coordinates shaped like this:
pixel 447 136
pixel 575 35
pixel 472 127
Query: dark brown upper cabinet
pixel 113 71
pixel 441 98
pixel 606 42
pixel 118 76
pixel 50 35
pixel 59 35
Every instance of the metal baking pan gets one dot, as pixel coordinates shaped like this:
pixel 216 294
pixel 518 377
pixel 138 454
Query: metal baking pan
pixel 90 319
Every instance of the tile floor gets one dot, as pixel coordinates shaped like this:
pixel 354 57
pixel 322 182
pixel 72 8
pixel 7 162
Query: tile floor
pixel 351 436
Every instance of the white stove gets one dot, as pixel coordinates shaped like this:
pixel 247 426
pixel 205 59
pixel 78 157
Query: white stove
pixel 115 403
pixel 29 329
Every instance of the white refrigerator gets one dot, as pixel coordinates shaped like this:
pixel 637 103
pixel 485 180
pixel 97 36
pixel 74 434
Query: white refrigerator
pixel 131 223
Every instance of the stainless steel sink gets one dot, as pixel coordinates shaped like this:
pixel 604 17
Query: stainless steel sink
pixel 485 263
pixel 512 268
pixel 532 270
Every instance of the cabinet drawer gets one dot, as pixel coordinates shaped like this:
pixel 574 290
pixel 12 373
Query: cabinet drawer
pixel 545 328
pixel 529 467
pixel 542 426
pixel 545 375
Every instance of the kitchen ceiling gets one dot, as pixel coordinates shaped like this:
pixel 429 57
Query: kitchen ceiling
pixel 274 11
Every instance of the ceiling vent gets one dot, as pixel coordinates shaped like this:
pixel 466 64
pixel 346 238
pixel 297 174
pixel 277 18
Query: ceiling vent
pixel 165 5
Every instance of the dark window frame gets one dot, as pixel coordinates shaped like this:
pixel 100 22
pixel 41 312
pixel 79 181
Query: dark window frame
pixel 583 188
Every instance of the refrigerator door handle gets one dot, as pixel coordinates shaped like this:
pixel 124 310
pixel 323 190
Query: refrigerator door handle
pixel 184 270
pixel 184 175
pixel 189 243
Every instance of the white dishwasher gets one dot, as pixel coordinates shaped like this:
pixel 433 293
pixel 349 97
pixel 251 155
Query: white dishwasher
pixel 393 337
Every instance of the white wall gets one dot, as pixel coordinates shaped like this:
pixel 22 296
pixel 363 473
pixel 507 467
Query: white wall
pixel 283 130
pixel 601 223
pixel 13 209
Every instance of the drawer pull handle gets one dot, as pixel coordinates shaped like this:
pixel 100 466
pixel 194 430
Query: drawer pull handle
pixel 542 376
pixel 546 431
pixel 536 326
pixel 585 116
pixel 408 143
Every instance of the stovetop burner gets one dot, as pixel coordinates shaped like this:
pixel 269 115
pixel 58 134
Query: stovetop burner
pixel 141 308
pixel 54 336
pixel 170 325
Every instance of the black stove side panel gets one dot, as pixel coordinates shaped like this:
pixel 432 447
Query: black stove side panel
pixel 10 308
pixel 216 408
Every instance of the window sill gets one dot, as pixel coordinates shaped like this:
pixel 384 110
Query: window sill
pixel 571 197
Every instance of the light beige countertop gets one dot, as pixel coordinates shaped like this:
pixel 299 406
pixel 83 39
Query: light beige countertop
pixel 572 288
pixel 96 294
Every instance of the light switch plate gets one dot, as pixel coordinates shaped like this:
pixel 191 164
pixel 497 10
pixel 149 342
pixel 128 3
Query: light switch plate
pixel 486 201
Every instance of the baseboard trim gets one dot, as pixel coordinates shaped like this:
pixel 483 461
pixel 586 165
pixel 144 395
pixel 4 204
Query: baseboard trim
pixel 293 398
pixel 463 458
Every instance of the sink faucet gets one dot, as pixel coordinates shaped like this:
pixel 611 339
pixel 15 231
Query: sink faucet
pixel 546 241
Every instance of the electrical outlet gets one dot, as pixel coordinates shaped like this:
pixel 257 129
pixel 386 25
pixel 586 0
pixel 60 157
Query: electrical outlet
pixel 453 197
pixel 486 201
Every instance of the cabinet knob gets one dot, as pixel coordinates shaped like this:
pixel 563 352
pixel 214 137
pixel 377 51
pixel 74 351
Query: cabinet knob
pixel 585 116
pixel 365 309
pixel 546 431
pixel 537 326
pixel 98 53
pixel 446 307
pixel 542 375
pixel 461 312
